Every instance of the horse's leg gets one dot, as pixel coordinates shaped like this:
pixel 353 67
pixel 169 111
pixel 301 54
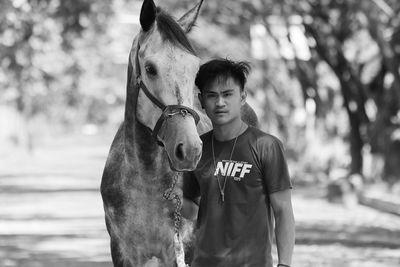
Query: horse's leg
pixel 136 254
pixel 153 262
pixel 120 260
pixel 116 254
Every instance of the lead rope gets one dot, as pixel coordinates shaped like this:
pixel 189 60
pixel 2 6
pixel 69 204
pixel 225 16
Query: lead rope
pixel 171 195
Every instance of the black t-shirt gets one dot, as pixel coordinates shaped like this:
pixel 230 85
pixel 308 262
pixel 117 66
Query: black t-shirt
pixel 237 232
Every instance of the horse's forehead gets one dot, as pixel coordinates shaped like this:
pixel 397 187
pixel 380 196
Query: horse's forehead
pixel 178 59
pixel 167 53
pixel 152 43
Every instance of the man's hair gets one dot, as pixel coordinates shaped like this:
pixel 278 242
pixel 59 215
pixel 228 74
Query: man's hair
pixel 222 69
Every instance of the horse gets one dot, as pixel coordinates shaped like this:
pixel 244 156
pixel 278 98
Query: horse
pixel 158 139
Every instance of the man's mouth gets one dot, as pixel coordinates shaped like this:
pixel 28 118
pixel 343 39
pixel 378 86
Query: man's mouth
pixel 220 112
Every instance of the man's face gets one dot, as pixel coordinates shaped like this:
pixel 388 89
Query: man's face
pixel 222 101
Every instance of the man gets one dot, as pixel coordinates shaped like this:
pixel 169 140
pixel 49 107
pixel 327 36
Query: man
pixel 242 175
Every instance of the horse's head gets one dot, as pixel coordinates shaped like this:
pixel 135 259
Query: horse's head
pixel 164 64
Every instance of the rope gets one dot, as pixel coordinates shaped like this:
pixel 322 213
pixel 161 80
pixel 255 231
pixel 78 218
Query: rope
pixel 171 195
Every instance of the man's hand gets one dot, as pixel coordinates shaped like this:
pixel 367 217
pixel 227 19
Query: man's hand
pixel 190 208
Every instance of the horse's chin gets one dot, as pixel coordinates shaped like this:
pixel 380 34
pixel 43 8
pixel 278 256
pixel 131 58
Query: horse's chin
pixel 180 166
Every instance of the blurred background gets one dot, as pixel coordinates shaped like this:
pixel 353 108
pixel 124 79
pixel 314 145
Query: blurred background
pixel 325 80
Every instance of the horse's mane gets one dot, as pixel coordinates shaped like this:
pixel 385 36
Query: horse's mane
pixel 171 31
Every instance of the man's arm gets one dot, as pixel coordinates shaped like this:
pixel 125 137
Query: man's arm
pixel 190 208
pixel 281 203
pixel 191 196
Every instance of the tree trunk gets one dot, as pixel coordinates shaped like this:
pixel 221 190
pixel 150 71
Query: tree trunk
pixel 352 92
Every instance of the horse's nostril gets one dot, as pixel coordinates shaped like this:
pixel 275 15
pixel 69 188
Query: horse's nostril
pixel 179 152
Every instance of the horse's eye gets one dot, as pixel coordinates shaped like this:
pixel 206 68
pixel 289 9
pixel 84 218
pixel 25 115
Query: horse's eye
pixel 151 70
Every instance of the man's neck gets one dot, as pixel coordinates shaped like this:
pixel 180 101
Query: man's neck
pixel 229 131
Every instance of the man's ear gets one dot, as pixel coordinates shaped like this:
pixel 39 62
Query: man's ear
pixel 201 100
pixel 243 97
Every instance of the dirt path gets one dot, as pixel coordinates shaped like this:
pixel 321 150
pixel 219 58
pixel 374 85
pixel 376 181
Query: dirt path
pixel 51 211
pixel 334 235
pixel 51 214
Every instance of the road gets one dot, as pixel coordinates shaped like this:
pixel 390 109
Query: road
pixel 51 214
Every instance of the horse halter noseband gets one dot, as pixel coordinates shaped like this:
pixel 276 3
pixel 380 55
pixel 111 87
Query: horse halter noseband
pixel 168 111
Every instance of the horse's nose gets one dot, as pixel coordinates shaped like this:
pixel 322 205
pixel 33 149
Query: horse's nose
pixel 188 153
pixel 179 152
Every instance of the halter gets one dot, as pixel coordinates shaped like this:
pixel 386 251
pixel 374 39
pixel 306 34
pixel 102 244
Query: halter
pixel 168 111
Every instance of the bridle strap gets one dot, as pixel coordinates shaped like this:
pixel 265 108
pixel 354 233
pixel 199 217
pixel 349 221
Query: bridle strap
pixel 168 111
pixel 171 111
pixel 141 85
pixel 150 95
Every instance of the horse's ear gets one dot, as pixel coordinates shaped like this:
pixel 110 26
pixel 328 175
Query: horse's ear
pixel 187 21
pixel 147 14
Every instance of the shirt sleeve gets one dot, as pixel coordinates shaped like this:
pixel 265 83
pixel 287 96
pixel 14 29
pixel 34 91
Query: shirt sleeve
pixel 191 188
pixel 274 167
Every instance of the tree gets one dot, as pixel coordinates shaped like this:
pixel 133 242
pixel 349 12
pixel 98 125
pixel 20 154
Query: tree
pixel 345 35
pixel 38 42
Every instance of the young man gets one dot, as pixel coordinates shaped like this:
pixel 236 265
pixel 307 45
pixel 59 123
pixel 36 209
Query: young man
pixel 242 175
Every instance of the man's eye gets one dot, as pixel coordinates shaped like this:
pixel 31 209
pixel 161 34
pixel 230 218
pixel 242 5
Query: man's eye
pixel 151 70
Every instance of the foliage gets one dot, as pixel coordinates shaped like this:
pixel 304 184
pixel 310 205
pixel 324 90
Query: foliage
pixel 45 48
pixel 346 86
pixel 329 70
pixel 345 36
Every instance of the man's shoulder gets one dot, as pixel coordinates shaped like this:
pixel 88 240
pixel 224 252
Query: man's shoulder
pixel 263 137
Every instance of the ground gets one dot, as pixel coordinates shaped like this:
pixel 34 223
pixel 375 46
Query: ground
pixel 51 214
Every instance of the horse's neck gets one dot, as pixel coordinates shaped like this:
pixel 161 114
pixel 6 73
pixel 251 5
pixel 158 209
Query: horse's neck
pixel 140 146
pixel 142 153
pixel 137 138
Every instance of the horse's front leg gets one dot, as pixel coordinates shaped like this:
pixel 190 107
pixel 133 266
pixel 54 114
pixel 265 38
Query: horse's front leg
pixel 116 245
pixel 128 255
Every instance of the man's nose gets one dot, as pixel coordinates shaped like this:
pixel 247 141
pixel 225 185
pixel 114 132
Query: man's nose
pixel 220 101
